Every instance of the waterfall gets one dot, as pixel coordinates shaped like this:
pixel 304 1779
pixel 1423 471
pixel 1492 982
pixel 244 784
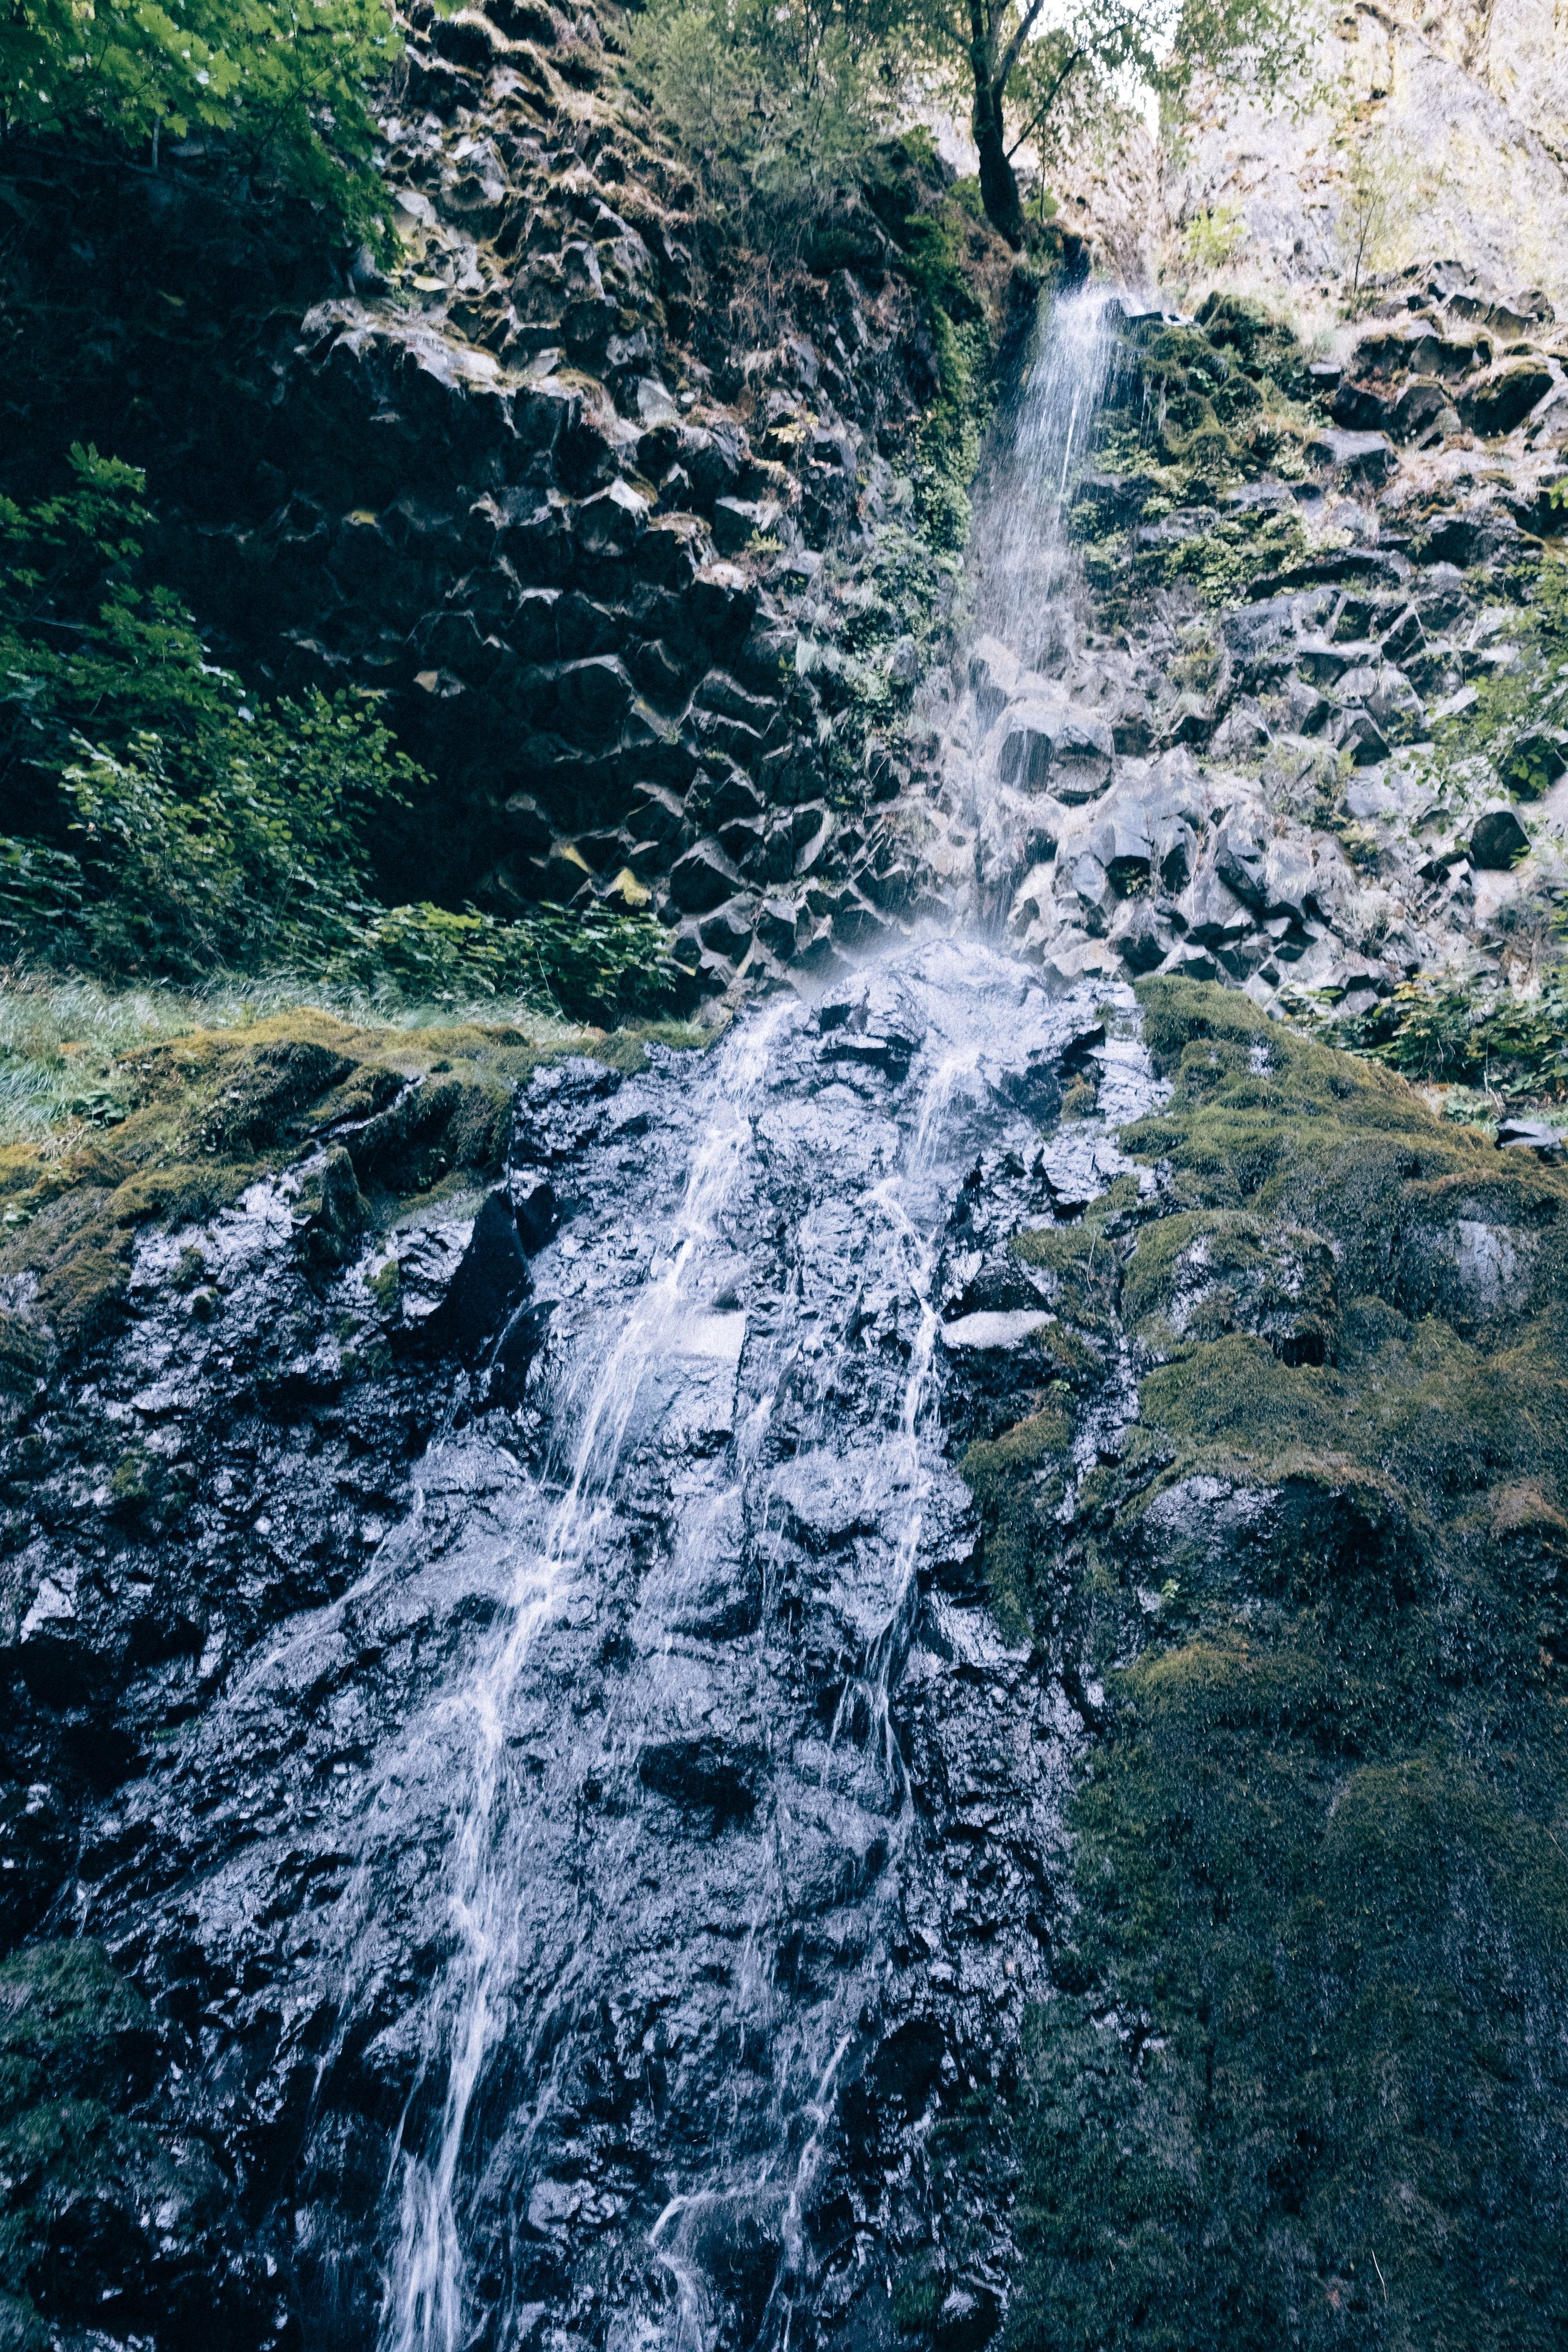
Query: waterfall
pixel 423 2310
pixel 1024 579
pixel 668 1836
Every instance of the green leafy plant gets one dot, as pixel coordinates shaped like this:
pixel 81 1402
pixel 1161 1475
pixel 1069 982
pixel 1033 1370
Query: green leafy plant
pixel 283 83
pixel 780 104
pixel 1452 1034
pixel 1381 191
pixel 154 821
pixel 1213 239
pixel 602 963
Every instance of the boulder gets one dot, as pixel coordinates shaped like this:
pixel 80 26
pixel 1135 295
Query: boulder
pixel 1211 910
pixel 1498 840
pixel 1355 730
pixel 1140 935
pixel 1361 458
pixel 492 1278
pixel 1498 401
pixel 1537 758
pixel 1424 406
pixel 1049 748
pixel 702 878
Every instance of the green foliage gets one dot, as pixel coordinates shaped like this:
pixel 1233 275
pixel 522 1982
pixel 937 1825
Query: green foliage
pixel 780 105
pixel 1213 239
pixel 1512 722
pixel 1381 190
pixel 602 964
pixel 1063 77
pixel 1451 1033
pixel 1300 2080
pixel 1198 411
pixel 282 82
pixel 155 821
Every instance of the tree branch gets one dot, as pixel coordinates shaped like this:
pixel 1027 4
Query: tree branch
pixel 1014 49
pixel 1047 103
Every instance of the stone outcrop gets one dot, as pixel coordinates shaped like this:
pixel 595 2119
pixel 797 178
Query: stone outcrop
pixel 625 574
pixel 1242 783
pixel 1453 117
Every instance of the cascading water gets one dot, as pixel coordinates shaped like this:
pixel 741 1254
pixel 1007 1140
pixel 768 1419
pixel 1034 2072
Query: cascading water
pixel 424 2302
pixel 1024 582
pixel 1025 613
pixel 649 1962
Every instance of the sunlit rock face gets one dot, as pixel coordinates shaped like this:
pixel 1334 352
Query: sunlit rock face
pixel 1456 110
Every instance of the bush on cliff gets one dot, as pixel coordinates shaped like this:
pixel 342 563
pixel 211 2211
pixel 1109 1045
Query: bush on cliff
pixel 781 106
pixel 155 821
pixel 281 84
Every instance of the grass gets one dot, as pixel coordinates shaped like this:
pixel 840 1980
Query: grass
pixel 63 1040
pixel 123 1108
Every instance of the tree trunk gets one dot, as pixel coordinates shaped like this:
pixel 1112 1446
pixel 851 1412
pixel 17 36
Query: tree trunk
pixel 999 188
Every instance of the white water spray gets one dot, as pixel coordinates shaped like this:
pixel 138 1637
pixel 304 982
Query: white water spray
pixel 424 2306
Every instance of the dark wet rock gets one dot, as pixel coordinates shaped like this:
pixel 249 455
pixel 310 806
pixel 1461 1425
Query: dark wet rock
pixel 1068 754
pixel 335 1221
pixel 490 1280
pixel 707 1773
pixel 1360 456
pixel 1498 839
pixel 1494 404
pixel 536 1208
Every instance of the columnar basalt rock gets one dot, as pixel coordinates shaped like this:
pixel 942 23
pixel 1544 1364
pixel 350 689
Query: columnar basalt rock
pixel 526 483
pixel 1240 781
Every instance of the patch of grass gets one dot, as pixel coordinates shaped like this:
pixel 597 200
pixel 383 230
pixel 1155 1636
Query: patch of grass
pixel 203 1113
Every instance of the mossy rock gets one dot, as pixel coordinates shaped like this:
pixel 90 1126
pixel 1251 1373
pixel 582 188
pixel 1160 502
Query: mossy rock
pixel 1302 2078
pixel 212 1112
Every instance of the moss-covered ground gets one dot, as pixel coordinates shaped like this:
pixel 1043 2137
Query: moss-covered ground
pixel 106 2215
pixel 174 1128
pixel 1303 2077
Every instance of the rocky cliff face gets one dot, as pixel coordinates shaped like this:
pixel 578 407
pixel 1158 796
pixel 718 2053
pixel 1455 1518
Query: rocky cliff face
pixel 1218 757
pixel 897 1679
pixel 568 486
pixel 1418 130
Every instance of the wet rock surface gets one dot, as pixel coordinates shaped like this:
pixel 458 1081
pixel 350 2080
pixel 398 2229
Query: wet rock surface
pixel 574 1772
pixel 542 1733
pixel 1240 783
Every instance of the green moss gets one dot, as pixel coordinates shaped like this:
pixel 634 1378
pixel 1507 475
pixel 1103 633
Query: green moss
pixel 1299 2082
pixel 1015 1506
pixel 205 1114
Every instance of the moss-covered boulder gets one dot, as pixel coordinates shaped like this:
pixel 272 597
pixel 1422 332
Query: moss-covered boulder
pixel 112 2219
pixel 1303 2078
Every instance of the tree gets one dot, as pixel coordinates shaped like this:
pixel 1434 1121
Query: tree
pixel 1020 71
pixel 284 82
pixel 780 100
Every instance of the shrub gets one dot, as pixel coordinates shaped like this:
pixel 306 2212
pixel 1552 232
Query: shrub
pixel 781 105
pixel 282 82
pixel 154 821
pixel 1450 1034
